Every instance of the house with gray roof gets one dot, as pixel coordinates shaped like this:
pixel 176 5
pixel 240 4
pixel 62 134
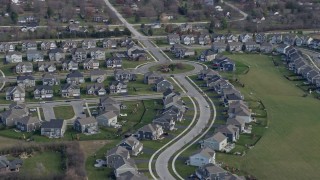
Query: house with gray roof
pixel 149 132
pixel 26 81
pixel 96 89
pixel 28 124
pixel 161 85
pixel 70 90
pixel 68 45
pixel 202 157
pixel 230 131
pixel 116 153
pixel 173 39
pixel 24 67
pixel 305 71
pixel 50 79
pixel 219 47
pixel 47 67
pixel 207 74
pixel 124 166
pixel 29 45
pixel 47 45
pixel 261 38
pixel 207 55
pixel 107 103
pixel 91 64
pixel 13 57
pixel 89 43
pixel 210 171
pixel 132 176
pixel 79 54
pixel 240 111
pixel 107 119
pixel 15 112
pixel 275 38
pixel 245 37
pixel 7 166
pixel 86 125
pixel 98 75
pixel 56 54
pixel 124 75
pixel 165 120
pixel 7 47
pixel 16 93
pixel 151 77
pixel 109 43
pixel 216 142
pixel 118 87
pixel 170 98
pixel 75 77
pixel 251 46
pixel 97 53
pixel 70 65
pixel 133 145
pixel 43 92
pixel 54 128
pixel 35 55
pixel 266 47
pixel 234 46
pixel 236 121
pixel 299 66
pixel 114 62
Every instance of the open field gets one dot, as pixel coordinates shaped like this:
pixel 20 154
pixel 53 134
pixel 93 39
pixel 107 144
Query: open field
pixel 289 148
pixel 64 112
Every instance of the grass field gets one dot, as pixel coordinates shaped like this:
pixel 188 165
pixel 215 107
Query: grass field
pixel 63 112
pixel 42 164
pixel 289 148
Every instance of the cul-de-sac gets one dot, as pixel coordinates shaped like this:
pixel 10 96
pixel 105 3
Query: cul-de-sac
pixel 159 89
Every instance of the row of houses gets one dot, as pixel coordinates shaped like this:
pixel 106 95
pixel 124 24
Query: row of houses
pixel 299 65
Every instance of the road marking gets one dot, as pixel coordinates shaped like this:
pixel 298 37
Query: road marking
pixel 178 85
pixel 39 115
pixel 89 112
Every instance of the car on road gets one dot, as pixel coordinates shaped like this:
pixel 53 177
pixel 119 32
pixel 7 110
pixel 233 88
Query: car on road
pixel 67 101
pixel 207 106
pixel 42 102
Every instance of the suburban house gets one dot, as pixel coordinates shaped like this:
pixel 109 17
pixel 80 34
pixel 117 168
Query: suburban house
pixel 230 131
pixel 231 38
pixel 107 119
pixel 211 171
pixel 133 145
pixel 7 47
pixel 28 123
pixel 251 46
pixel 173 39
pixel 312 76
pixel 207 55
pixel 204 39
pixel 236 121
pixel 245 38
pixel 138 54
pixel 79 54
pixel 115 154
pixel 26 81
pixel 54 128
pixel 70 65
pixel 161 85
pixel 234 46
pixel 219 38
pixel 50 79
pixel 151 77
pixel 56 54
pixel 97 53
pixel 96 89
pixel 299 67
pixel 47 66
pixel 282 48
pixel 15 93
pixel 89 43
pixel 165 120
pixel 34 55
pixel 207 74
pixel 9 166
pixel 114 62
pixel 68 45
pixel 14 113
pixel 180 52
pixel 220 85
pixel 289 39
pixel 230 94
pixel 216 142
pixel 266 47
pixel 90 64
pixel 43 92
pixel 107 103
pixel 70 90
pixel 261 38
pixel 275 38
pixel 219 47
pixel 75 77
pixel 202 157
pixel 170 98
pixel 305 71
pixel 149 132
pixel 188 39
pixel 126 168
pixel 13 57
pixel 97 75
pixel 86 125
pixel 29 45
pixel 132 175
pixel 24 67
pixel 124 75
pixel 240 110
pixel 47 45
pixel 118 87
pixel 109 43
pixel 224 64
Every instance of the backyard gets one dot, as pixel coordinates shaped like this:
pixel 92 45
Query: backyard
pixel 292 118
pixel 63 112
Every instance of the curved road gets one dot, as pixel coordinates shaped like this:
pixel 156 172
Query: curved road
pixel 163 159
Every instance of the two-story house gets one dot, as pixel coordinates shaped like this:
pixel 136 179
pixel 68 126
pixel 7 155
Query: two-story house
pixel 70 90
pixel 26 81
pixel 47 67
pixel 54 128
pixel 133 145
pixel 43 92
pixel 13 57
pixel 24 67
pixel 202 157
pixel 124 75
pixel 75 77
pixel 56 54
pixel 86 125
pixel 35 56
pixel 149 132
pixel 91 64
pixel 96 89
pixel 16 93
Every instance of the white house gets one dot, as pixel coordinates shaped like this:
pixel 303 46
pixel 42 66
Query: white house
pixel 107 119
pixel 202 157
pixel 216 142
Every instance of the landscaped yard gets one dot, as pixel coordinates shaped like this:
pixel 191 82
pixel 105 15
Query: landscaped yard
pixel 63 112
pixel 289 149
pixel 42 164
pixel 177 68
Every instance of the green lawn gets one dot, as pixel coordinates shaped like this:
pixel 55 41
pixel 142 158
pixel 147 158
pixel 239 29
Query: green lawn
pixel 289 149
pixel 138 87
pixel 42 164
pixel 184 68
pixel 63 112
pixel 132 64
